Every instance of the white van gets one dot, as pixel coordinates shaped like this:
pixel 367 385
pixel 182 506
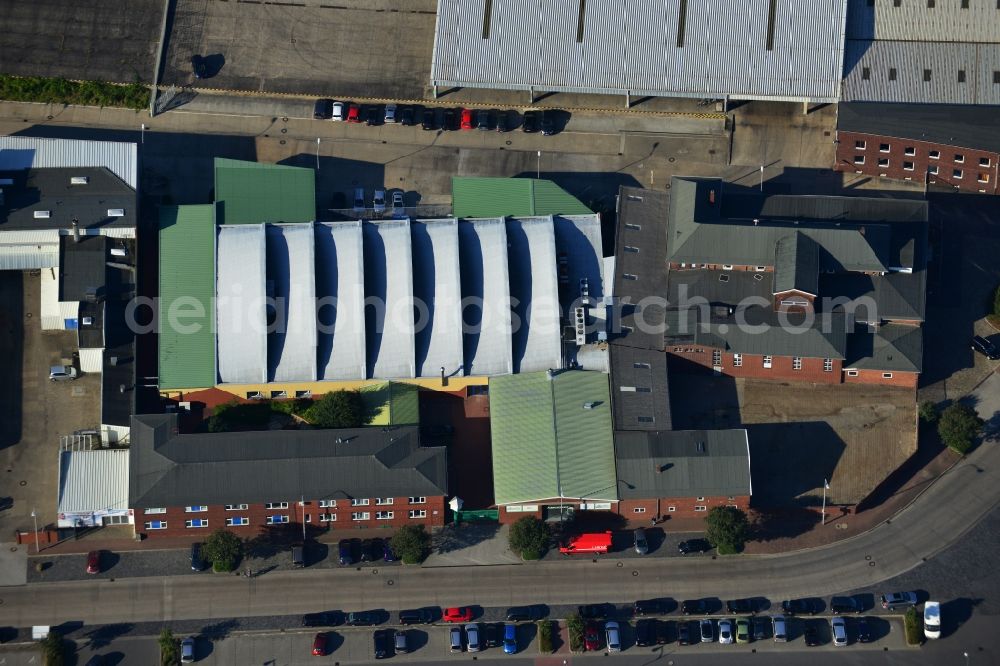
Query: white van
pixel 932 620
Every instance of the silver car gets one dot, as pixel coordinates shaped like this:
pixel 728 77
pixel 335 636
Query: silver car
pixel 390 113
pixel 472 638
pixel 612 636
pixel 378 203
pixel 187 650
pixel 838 627
pixel 641 545
pixel 62 373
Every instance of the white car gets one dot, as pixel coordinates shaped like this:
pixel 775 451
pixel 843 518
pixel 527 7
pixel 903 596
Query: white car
pixel 726 632
pixel 390 113
pixel 338 111
pixel 838 627
pixel 378 203
pixel 613 636
pixel 398 207
pixel 932 620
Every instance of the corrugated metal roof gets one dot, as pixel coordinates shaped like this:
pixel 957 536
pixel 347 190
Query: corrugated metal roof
pixel 519 197
pixel 187 287
pixel 290 269
pixel 534 293
pixel 389 286
pixel 724 50
pixel 907 61
pixel 437 294
pixel 241 277
pixel 486 288
pixel 25 152
pixel 253 192
pixel 340 288
pixel 27 257
pixel 914 20
pixel 93 480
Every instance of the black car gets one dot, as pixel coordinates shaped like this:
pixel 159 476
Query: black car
pixel 593 611
pixel 694 546
pixel 684 633
pixel 197 562
pixel 199 66
pixel 841 605
pixel 429 120
pixel 374 115
pixel 694 607
pixel 416 616
pixel 811 634
pixel 985 347
pixel 664 631
pixel 345 551
pixel 367 549
pixel 760 627
pixel 407 116
pixel 324 619
pixel 647 607
pixel 741 606
pixel 375 549
pixel 381 639
pixel 800 607
pixel 493 635
pixel 548 123
pixel 524 613
pixel 531 122
pixel 448 120
pixel 645 632
pixel 323 110
pixel 863 630
pixel 483 119
pixel 503 121
pixel 363 619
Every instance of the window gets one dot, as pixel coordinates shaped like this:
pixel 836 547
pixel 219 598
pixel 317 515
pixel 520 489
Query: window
pixel 195 509
pixel 236 521
pixel 633 227
pixel 360 515
pixel 930 4
pixel 961 76
pixel 827 365
pixel 156 525
pixel 383 515
pixel 277 520
pixel 418 513
pixel 155 510
pixel 859 159
pixel 767 361
pixel 236 507
pixel 727 267
pixel 630 248
pixel 671 509
pixel 907 166
pixel 327 517
pixel 860 144
pixel 886 375
pixel 418 500
pixel 866 73
pixel 965 4
pixel 932 169
pixel 716 357
pixel 984 178
pixel 956 174
pixel 630 276
pixel 883 161
pixel 641 365
pixel 382 501
pixel 644 419
pixel 639 509
pixel 852 373
pixel 909 150
pixel 796 363
pixel 996 74
pixel 196 522
pixel 737 360
pixel 927 75
pixel 308 518
pixel 760 269
pixel 327 504
pixel 959 158
pixel 892 73
pixel 700 499
pixel 984 161
pixel 276 505
pixel 701 508
pixel 643 389
pixel 934 154
pixel 359 502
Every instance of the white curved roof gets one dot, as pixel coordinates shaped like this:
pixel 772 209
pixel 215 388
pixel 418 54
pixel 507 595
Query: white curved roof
pixel 240 307
pixel 340 289
pixel 437 297
pixel 292 344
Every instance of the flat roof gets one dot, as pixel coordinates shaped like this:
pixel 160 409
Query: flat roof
pixel 640 267
pixel 534 293
pixel 242 323
pixel 520 197
pixel 255 192
pixel 82 269
pixel 291 347
pixel 103 202
pixel 487 340
pixel 437 294
pixel 579 242
pixel 389 281
pixel 640 396
pixel 976 127
pixel 340 288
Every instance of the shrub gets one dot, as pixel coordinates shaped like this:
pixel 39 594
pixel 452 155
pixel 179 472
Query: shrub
pixel 61 91
pixel 53 649
pixel 216 423
pixel 928 411
pixel 544 636
pixel 411 543
pixel 727 529
pixel 169 649
pixel 575 625
pixel 223 549
pixel 911 624
pixel 959 426
pixel 337 409
pixel 529 537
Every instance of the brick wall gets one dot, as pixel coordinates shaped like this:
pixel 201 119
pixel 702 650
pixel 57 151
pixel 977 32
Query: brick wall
pixel 256 515
pixel 752 365
pixel 906 379
pixel 901 166
pixel 683 507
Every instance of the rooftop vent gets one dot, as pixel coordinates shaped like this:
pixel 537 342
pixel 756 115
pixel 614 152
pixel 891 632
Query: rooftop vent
pixel 43 214
pixel 79 180
pixel 116 212
pixel 589 405
pixel 701 447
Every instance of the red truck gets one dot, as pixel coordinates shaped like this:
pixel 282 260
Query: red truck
pixel 596 542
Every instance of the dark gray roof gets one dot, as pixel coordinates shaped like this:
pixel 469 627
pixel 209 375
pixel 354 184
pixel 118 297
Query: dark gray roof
pixel 118 390
pixel 640 399
pixel 171 469
pixel 891 347
pixel 82 267
pixel 823 208
pixel 895 295
pixel 716 287
pixel 683 463
pixel 796 264
pixel 951 125
pixel 50 190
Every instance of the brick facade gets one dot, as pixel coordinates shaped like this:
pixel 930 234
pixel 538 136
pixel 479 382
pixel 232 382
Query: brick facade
pixel 907 159
pixel 752 365
pixel 639 509
pixel 905 379
pixel 256 516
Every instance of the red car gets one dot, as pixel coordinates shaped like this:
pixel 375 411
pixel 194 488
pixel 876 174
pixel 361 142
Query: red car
pixel 466 119
pixel 592 637
pixel 354 114
pixel 319 645
pixel 460 614
pixel 94 562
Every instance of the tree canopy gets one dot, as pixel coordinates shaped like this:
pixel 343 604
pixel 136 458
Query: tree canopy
pixel 727 528
pixel 223 549
pixel 411 543
pixel 337 409
pixel 529 537
pixel 959 426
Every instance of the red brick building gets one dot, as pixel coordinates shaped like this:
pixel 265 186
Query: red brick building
pixel 932 145
pixel 191 484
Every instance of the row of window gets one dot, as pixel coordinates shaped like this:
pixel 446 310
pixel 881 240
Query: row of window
pixel 866 75
pixel 324 504
pixel 930 3
pixel 671 509
pixel 911 151
pixel 242 521
pixel 767 361
pixel 854 373
pixel 932 169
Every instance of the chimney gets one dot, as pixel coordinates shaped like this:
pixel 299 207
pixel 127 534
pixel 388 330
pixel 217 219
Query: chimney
pixel 76 230
pixel 659 468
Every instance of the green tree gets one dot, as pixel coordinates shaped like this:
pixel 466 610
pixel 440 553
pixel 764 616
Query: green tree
pixel 911 626
pixel 928 411
pixel 53 649
pixel 217 423
pixel 169 650
pixel 727 528
pixel 529 537
pixel 545 636
pixel 575 626
pixel 223 549
pixel 411 543
pixel 959 426
pixel 337 409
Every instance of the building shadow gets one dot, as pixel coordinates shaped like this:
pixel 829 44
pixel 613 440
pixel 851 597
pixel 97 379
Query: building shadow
pixel 788 461
pixel 11 356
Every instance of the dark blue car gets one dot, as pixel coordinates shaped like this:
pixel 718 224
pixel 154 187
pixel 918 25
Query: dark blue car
pixel 510 638
pixel 346 552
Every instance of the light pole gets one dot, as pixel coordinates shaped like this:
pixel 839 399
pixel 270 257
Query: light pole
pixel 317 153
pixel 761 177
pixel 826 487
pixel 966 655
pixel 142 133
pixel 303 505
pixel 538 166
pixel 34 518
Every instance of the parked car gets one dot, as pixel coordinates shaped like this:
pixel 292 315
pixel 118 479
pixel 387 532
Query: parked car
pixel 778 629
pixel 548 123
pixel 743 630
pixel 359 202
pixel 761 625
pixel 863 630
pixel 530 122
pixel 197 562
pixel 612 636
pixel 472 643
pixel 354 113
pixel 407 116
pixel 94 562
pixel 985 347
pixel 684 633
pixel 368 546
pixel 187 650
pixel 319 644
pixel 810 633
pixel 457 614
pixel 592 636
pixel 894 600
pixel 398 210
pixel 378 203
pixel 388 554
pixel 466 119
pixel 726 632
pixel 416 616
pixel 373 116
pixel 736 606
pixel 645 633
pixel 455 643
pixel 524 613
pixel 932 620
pixel 593 611
pixel 800 607
pixel 199 67
pixel 323 109
pixel 647 607
pixel 322 619
pixel 841 605
pixel 694 606
pixel 838 627
pixel 639 541
pixel 510 638
pixel 62 373
pixel 400 642
pixel 491 634
pixel 483 119
pixel 707 629
pixel 694 546
pixel 298 556
pixel 448 120
pixel 429 119
pixel 664 631
pixel 503 121
pixel 362 619
pixel 390 113
pixel 338 112
pixel 380 639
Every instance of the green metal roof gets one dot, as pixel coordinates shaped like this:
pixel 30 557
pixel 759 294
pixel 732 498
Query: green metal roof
pixel 251 192
pixel 514 197
pixel 392 403
pixel 552 437
pixel 187 285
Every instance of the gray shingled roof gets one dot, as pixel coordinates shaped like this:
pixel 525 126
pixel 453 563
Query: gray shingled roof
pixel 170 469
pixel 796 264
pixel 640 398
pixel 891 347
pixel 950 125
pixel 683 463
